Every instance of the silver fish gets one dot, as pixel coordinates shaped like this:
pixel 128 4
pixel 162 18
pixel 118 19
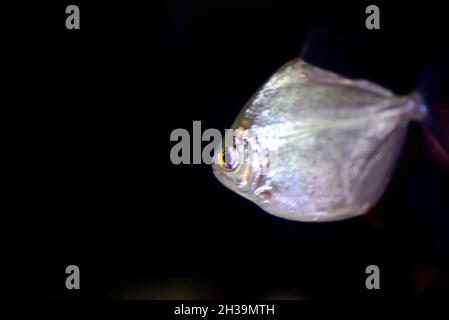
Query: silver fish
pixel 312 145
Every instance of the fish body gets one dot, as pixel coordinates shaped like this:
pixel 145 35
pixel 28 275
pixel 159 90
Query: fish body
pixel 312 145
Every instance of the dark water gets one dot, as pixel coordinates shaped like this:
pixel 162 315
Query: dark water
pixel 89 119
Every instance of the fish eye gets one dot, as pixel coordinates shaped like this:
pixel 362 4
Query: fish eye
pixel 229 159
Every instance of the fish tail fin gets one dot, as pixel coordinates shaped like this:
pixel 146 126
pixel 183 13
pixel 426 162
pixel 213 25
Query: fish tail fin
pixel 433 86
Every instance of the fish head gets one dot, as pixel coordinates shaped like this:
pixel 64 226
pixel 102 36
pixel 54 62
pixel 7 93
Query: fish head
pixel 242 162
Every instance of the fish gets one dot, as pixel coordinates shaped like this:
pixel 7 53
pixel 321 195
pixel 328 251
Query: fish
pixel 315 146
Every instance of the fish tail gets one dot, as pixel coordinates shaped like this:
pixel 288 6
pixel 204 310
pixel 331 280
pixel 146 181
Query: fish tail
pixel 416 107
pixel 433 86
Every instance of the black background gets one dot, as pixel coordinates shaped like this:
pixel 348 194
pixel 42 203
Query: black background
pixel 88 114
